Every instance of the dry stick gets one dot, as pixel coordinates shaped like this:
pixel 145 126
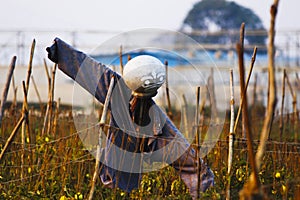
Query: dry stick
pixel 185 120
pixel 295 112
pixel 254 98
pixel 25 107
pixel 211 88
pixel 50 117
pixel 49 98
pixel 254 186
pixel 29 70
pixel 56 116
pixel 121 59
pixel 101 131
pixel 240 52
pixel 198 142
pixel 25 122
pixel 48 75
pixel 272 93
pixel 231 134
pixel 203 102
pixel 281 123
pixel 12 135
pixel 170 114
pixel 37 93
pixel 30 65
pixel 6 87
pixel 244 93
pixel 15 89
pixel 298 80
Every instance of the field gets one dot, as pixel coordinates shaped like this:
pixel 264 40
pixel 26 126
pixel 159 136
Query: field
pixel 43 155
pixel 56 165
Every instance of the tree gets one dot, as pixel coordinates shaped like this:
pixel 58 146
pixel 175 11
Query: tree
pixel 218 15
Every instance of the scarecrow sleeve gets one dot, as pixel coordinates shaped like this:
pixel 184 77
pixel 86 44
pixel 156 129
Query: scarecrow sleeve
pixel 87 72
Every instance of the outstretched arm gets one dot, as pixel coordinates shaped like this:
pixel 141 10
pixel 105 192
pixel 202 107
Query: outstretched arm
pixel 87 72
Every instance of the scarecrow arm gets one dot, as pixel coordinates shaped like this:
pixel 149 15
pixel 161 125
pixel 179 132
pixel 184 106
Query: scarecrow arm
pixel 87 72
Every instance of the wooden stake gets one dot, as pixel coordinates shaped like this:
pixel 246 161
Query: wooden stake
pixel 281 123
pixel 252 190
pixel 295 112
pixel 213 102
pixel 24 124
pixel 12 136
pixel 51 102
pixel 170 114
pixel 243 101
pixel 198 138
pixel 37 93
pixel 240 53
pixel 121 60
pixel 101 132
pixel 15 89
pixel 49 98
pixel 6 87
pixel 185 117
pixel 25 108
pixel 231 134
pixel 56 116
pixel 272 98
pixel 30 65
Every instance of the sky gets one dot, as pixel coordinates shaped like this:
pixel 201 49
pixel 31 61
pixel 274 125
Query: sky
pixel 46 19
pixel 113 15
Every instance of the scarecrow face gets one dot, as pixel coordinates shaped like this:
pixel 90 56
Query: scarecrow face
pixel 144 75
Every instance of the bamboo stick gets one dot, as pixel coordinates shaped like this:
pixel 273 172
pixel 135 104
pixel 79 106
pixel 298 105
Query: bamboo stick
pixel 281 122
pixel 121 59
pixel 254 98
pixel 25 108
pixel 49 98
pixel 198 138
pixel 15 89
pixel 50 117
pixel 240 53
pixel 251 189
pixel 295 112
pixel 6 87
pixel 56 116
pixel 37 93
pixel 24 124
pixel 101 131
pixel 211 88
pixel 231 134
pixel 244 93
pixel 272 91
pixel 48 75
pixel 185 117
pixel 30 65
pixel 12 135
pixel 170 114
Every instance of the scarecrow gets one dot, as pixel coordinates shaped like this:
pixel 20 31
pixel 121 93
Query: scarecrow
pixel 139 131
